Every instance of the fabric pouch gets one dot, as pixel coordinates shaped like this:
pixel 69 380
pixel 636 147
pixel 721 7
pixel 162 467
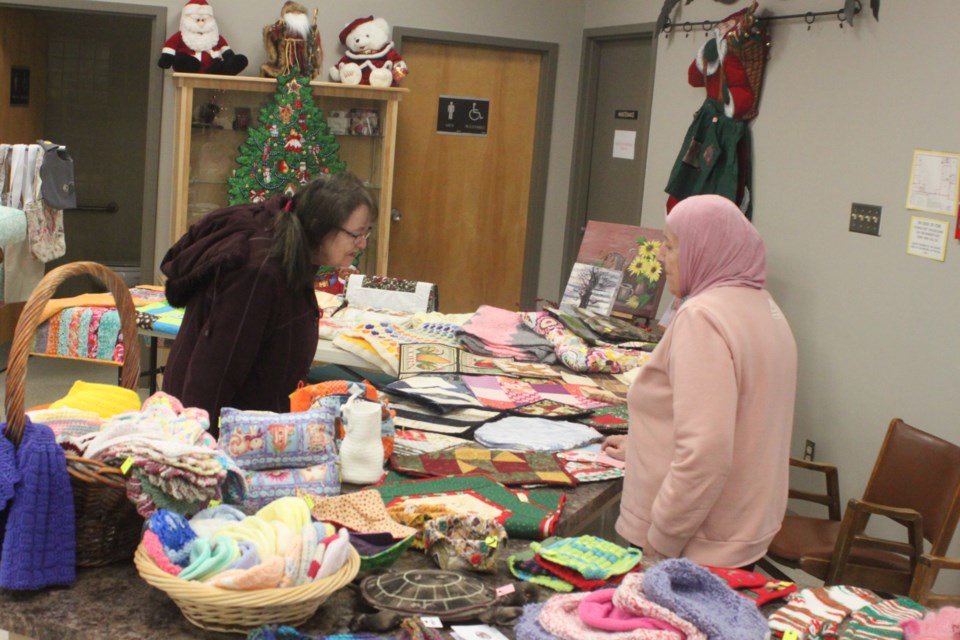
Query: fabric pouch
pixel 464 542
pixel 56 174
pixel 260 440
pixel 264 487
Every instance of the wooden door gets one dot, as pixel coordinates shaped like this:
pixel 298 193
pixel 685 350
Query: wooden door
pixel 463 200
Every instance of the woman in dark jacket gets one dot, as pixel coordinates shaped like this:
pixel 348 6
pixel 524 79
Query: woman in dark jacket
pixel 245 276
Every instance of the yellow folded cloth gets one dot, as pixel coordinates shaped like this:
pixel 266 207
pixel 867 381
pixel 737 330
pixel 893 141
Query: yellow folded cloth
pixel 105 400
pixel 290 510
pixel 255 530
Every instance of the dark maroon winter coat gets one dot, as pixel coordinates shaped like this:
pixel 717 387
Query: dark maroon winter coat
pixel 247 339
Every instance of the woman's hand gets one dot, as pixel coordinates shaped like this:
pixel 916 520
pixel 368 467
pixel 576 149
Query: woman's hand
pixel 615 447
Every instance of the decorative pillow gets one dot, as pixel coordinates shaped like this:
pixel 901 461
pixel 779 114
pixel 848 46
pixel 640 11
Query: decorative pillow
pixel 327 399
pixel 263 487
pixel 265 440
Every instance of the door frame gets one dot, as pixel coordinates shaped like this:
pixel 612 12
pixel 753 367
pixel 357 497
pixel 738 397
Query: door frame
pixel 536 207
pixel 583 127
pixel 158 14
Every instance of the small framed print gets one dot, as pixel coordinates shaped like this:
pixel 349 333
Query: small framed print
pixel 338 122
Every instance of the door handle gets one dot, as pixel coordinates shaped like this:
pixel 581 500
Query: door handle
pixel 395 215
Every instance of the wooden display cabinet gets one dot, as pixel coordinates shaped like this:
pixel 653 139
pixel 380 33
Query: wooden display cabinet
pixel 212 117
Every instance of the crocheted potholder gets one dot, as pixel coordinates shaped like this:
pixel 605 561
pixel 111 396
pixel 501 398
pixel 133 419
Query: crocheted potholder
pixel 448 595
pixel 593 557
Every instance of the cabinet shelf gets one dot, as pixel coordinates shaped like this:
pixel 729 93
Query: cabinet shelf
pixel 214 113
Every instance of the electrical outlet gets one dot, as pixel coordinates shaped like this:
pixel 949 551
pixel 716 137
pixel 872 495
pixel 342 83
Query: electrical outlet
pixel 865 218
pixel 809 450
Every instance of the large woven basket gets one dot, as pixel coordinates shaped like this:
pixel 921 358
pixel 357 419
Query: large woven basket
pixel 108 525
pixel 225 610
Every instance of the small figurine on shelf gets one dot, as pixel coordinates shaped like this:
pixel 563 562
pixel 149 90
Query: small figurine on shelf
pixel 198 46
pixel 292 42
pixel 371 57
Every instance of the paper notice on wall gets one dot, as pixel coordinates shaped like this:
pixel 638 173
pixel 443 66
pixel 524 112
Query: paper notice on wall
pixel 624 144
pixel 933 182
pixel 928 238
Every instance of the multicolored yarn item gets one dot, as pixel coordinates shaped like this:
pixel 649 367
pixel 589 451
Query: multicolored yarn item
pixel 754 585
pixel 818 612
pixel 154 549
pixel 175 535
pixel 882 620
pixel 696 595
pixel 524 566
pixel 592 557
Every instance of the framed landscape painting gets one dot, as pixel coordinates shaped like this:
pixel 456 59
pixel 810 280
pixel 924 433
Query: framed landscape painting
pixel 630 251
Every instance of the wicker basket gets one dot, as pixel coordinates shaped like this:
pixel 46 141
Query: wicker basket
pixel 108 525
pixel 225 610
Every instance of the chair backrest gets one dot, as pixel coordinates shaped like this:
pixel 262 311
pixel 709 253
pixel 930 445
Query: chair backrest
pixel 919 471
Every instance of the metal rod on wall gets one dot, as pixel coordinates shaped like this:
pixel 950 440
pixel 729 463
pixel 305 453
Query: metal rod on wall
pixel 809 17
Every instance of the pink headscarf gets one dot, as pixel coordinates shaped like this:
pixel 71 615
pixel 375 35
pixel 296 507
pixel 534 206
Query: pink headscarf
pixel 719 247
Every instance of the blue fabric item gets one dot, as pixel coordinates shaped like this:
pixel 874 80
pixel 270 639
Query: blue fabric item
pixel 174 533
pixel 39 535
pixel 9 477
pixel 249 558
pixel 704 599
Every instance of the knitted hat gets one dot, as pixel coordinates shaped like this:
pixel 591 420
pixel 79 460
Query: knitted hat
pixel 630 597
pixel 560 617
pixel 753 585
pixel 598 611
pixel 697 595
pixel 39 536
pixel 197 7
pixel 820 610
pixel 155 550
pixel 174 533
pixel 882 619
pixel 528 624
pixel 347 30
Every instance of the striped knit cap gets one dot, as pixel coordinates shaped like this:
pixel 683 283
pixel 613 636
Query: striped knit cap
pixel 881 620
pixel 817 613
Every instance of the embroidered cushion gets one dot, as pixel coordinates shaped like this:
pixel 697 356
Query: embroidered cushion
pixel 263 487
pixel 266 440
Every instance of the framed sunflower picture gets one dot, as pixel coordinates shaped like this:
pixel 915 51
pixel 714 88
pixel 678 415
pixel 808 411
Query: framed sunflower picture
pixel 627 250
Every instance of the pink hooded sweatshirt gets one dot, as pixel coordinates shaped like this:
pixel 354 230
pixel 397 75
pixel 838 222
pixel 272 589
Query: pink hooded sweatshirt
pixel 711 413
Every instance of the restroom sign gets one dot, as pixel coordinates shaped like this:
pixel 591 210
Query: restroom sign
pixel 463 116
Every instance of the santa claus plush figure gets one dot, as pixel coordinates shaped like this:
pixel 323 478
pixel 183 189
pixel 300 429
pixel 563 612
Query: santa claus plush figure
pixel 292 42
pixel 198 47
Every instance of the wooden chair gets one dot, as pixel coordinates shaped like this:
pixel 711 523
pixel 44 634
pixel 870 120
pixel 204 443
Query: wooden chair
pixel 921 589
pixel 915 482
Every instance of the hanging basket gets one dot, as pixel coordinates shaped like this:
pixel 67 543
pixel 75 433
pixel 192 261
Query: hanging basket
pixel 230 611
pixel 108 525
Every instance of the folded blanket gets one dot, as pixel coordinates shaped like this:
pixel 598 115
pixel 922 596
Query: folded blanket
pixel 39 542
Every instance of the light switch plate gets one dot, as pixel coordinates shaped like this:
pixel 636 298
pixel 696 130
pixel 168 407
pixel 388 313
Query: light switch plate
pixel 865 218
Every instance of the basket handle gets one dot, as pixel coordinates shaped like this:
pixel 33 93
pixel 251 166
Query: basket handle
pixel 25 334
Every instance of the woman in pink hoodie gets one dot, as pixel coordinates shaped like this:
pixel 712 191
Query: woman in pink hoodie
pixel 711 413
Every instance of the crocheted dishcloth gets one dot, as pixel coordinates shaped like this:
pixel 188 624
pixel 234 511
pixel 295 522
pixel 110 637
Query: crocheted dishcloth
pixel 881 620
pixel 154 549
pixel 524 566
pixel 593 557
pixel 704 599
pixel 821 610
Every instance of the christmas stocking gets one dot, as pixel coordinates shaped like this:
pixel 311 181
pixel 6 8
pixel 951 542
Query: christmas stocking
pixel 753 585
pixel 882 619
pixel 817 613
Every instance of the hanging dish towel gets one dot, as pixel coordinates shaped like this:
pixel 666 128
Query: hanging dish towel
pixel 44 223
pixel 22 271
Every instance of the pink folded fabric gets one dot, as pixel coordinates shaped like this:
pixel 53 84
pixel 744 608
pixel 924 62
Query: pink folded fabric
pixel 265 575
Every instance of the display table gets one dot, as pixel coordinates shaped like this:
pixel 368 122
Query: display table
pixel 114 602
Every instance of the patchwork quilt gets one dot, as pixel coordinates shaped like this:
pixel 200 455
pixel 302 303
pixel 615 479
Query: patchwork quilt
pixel 506 467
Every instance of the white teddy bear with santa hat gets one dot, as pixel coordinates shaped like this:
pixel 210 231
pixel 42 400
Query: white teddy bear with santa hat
pixel 198 47
pixel 370 57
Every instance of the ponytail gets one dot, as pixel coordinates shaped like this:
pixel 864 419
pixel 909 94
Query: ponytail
pixel 290 245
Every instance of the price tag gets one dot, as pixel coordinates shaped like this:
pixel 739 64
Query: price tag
pixel 125 467
pixel 790 634
pixel 308 500
pixel 492 542
pixel 506 589
pixel 214 503
pixel 431 622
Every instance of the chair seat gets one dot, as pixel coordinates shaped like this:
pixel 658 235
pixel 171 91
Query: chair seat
pixel 802 536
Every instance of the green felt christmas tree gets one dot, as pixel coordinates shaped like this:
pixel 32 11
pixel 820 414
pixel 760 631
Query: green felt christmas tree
pixel 290 146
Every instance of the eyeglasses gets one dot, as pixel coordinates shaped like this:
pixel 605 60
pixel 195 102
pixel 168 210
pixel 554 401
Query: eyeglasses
pixel 357 237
